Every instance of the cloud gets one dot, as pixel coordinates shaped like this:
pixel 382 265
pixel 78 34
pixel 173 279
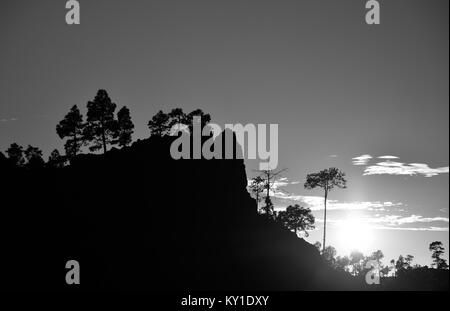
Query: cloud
pixel 8 120
pixel 412 228
pixel 399 168
pixel 315 203
pixel 277 184
pixel 362 159
pixel 280 183
pixel 394 222
pixel 390 167
pixel 376 212
pixel 399 220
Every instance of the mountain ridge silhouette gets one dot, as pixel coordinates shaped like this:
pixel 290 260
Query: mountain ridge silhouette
pixel 136 219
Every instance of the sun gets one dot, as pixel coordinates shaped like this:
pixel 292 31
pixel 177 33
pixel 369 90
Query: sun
pixel 355 234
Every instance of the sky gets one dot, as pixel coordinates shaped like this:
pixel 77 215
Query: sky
pixel 370 100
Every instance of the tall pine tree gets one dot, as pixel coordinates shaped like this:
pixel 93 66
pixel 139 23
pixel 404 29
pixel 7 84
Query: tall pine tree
pixel 72 127
pixel 15 155
pixel 101 126
pixel 124 127
pixel 159 125
pixel 34 157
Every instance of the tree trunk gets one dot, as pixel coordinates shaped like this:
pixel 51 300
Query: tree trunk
pixel 379 272
pixel 104 140
pixel 74 144
pixel 325 220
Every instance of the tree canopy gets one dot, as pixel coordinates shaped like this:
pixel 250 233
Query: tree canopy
pixel 162 123
pixel 159 125
pixel 33 155
pixel 437 250
pixel 326 179
pixel 56 160
pixel 101 126
pixel 71 127
pixel 124 127
pixel 15 155
pixel 297 218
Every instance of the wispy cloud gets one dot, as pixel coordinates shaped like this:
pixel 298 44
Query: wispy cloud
pixel 277 186
pixel 362 159
pixel 400 220
pixel 395 222
pixel 390 167
pixel 316 203
pixel 399 168
pixel 282 182
pixel 440 229
pixel 8 119
pixel 375 212
pixel 388 157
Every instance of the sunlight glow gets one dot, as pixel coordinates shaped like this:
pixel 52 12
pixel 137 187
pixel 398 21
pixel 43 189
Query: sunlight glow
pixel 355 234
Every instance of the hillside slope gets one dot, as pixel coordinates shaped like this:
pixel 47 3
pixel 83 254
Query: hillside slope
pixel 137 219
